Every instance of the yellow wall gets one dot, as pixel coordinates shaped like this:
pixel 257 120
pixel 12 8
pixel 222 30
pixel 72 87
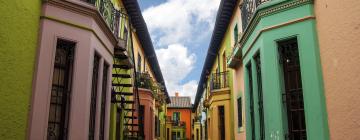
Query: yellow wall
pixel 222 98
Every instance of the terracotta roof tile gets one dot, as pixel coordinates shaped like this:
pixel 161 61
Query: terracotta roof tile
pixel 181 102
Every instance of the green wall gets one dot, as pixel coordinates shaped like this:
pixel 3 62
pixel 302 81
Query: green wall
pixel 18 37
pixel 272 83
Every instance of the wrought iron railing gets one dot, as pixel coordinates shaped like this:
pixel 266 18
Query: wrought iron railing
pixel 144 80
pixel 236 45
pixel 248 8
pixel 178 123
pixel 116 19
pixel 219 80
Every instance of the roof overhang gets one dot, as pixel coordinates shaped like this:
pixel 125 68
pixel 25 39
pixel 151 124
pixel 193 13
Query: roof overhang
pixel 138 22
pixel 223 18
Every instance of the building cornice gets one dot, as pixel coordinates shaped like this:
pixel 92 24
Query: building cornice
pixel 88 10
pixel 261 12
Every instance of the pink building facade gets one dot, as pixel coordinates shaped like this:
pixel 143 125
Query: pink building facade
pixel 74 25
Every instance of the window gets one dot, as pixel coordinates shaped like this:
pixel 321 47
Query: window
pixel 239 106
pixel 176 116
pixel 61 91
pixel 173 135
pixel 251 96
pixel 118 123
pixel 223 75
pixel 197 134
pixel 224 61
pixel 157 127
pixel 168 134
pixel 103 101
pixel 141 119
pixel 260 96
pixel 293 95
pixel 139 63
pixel 221 122
pixel 236 36
pixel 93 97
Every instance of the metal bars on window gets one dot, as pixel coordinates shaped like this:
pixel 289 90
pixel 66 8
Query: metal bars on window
pixel 141 120
pixel 293 96
pixel 260 96
pixel 221 122
pixel 239 106
pixel 93 102
pixel 61 91
pixel 103 101
pixel 251 96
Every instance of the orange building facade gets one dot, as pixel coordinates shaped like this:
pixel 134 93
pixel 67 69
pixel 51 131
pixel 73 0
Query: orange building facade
pixel 179 118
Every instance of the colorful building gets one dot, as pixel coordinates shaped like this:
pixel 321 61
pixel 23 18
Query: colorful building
pixel 144 119
pixel 285 61
pixel 215 91
pixel 78 70
pixel 178 122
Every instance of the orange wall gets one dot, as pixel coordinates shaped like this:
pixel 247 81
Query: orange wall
pixel 185 115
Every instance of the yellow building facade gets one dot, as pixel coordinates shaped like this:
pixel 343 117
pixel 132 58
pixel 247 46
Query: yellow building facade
pixel 216 96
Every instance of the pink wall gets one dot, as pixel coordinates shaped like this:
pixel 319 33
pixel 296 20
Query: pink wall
pixel 147 100
pixel 60 25
pixel 338 28
pixel 238 84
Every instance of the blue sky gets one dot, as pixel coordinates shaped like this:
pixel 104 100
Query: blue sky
pixel 181 32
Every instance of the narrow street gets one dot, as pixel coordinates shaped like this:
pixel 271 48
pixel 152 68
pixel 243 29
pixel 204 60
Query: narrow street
pixel 179 70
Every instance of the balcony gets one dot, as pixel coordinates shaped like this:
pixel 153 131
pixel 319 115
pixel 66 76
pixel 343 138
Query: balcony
pixel 175 123
pixel 248 8
pixel 232 60
pixel 219 80
pixel 115 19
pixel 143 80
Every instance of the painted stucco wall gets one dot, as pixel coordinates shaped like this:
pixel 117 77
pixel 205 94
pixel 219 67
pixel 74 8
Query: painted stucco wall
pixel 294 22
pixel 238 76
pixel 185 115
pixel 147 100
pixel 226 47
pixel 338 28
pixel 18 36
pixel 220 98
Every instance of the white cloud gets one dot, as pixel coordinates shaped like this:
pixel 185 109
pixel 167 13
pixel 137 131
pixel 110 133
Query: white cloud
pixel 180 20
pixel 173 25
pixel 176 63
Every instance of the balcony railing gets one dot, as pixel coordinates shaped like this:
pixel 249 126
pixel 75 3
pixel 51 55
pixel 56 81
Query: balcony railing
pixel 248 9
pixel 144 80
pixel 176 123
pixel 116 19
pixel 219 80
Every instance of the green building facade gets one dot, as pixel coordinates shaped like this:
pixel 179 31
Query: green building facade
pixel 284 95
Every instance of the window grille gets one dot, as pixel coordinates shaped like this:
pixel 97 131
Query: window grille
pixel 293 95
pixel 239 105
pixel 222 122
pixel 252 118
pixel 94 97
pixel 61 91
pixel 260 96
pixel 103 101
